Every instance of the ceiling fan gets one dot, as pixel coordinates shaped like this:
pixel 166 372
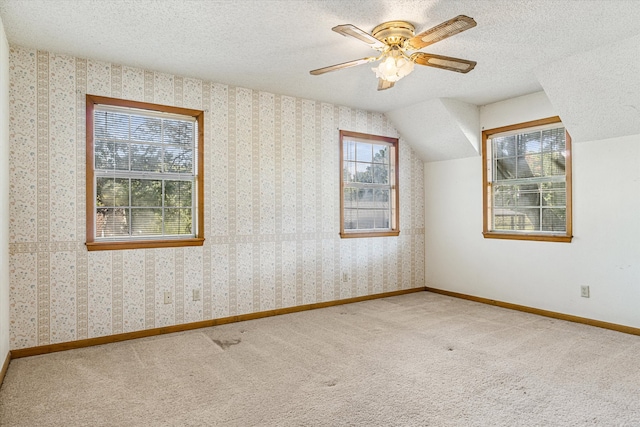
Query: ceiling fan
pixel 394 39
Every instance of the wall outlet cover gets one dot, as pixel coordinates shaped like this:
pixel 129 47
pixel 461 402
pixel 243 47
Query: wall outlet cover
pixel 584 291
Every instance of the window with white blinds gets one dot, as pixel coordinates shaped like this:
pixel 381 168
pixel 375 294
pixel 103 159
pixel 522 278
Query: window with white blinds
pixel 369 191
pixel 145 171
pixel 527 181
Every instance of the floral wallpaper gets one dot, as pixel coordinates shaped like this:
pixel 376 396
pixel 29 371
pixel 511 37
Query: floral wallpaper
pixel 271 213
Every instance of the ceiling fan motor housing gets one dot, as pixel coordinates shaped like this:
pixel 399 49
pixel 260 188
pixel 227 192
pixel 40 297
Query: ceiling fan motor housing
pixel 393 32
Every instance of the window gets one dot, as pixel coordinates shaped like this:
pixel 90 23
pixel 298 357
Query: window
pixel 527 181
pixel 144 175
pixel 368 185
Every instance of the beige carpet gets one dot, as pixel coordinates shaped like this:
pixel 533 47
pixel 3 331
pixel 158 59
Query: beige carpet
pixel 413 360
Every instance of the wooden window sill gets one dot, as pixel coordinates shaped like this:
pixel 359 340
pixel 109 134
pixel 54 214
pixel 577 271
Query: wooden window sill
pixel 370 234
pixel 143 244
pixel 523 236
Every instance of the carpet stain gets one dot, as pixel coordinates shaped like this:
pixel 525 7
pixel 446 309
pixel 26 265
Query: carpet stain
pixel 225 344
pixel 449 348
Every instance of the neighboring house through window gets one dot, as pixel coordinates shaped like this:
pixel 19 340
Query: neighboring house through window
pixel 527 181
pixel 144 175
pixel 368 185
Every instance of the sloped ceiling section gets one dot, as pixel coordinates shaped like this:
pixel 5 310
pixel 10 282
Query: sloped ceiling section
pixel 439 129
pixel 597 93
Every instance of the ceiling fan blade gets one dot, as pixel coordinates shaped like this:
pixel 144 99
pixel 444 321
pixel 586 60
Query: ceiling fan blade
pixel 343 65
pixel 384 84
pixel 444 62
pixel 440 32
pixel 357 33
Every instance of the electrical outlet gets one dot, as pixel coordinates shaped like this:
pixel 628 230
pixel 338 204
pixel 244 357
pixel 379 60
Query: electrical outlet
pixel 167 297
pixel 196 294
pixel 584 291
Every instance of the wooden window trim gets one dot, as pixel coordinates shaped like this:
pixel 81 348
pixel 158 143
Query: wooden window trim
pixel 486 188
pixel 395 187
pixel 91 243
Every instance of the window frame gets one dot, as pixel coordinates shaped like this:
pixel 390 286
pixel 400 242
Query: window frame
pixel 487 199
pixel 127 242
pixel 393 186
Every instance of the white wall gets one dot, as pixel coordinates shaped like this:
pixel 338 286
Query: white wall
pixel 4 196
pixel 604 253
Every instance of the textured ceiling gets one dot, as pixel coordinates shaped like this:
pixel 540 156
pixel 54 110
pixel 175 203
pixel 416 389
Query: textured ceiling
pixel 271 45
pixel 568 48
pixel 603 99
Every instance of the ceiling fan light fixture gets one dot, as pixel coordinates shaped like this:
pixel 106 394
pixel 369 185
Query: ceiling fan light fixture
pixel 394 66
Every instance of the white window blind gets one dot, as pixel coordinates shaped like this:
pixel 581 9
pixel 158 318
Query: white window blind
pixel 527 176
pixel 368 174
pixel 144 174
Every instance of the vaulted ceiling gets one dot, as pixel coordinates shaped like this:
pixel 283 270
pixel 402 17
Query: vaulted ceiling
pixel 585 55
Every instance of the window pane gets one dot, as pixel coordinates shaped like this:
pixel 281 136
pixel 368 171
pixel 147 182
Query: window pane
pixel 504 147
pixel 554 163
pixel 521 219
pixel 529 166
pixel 364 152
pixel 111 155
pixel 349 150
pixel 381 199
pixel 349 172
pixel 100 124
pixel 145 157
pixel 146 192
pixel 350 219
pixel 528 195
pixel 363 172
pixel 365 198
pixel 350 198
pixel 381 219
pixel 112 191
pixel 504 195
pixel 112 222
pixel 529 143
pixel 177 221
pixel 365 219
pixel 147 129
pixel 505 168
pixel 122 156
pixel 508 219
pixel 104 154
pixel 531 219
pixel 177 159
pixel 381 154
pixel 554 197
pixel 380 174
pixel 553 139
pixel 178 132
pixel 178 193
pixel 111 125
pixel 554 219
pixel 146 222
